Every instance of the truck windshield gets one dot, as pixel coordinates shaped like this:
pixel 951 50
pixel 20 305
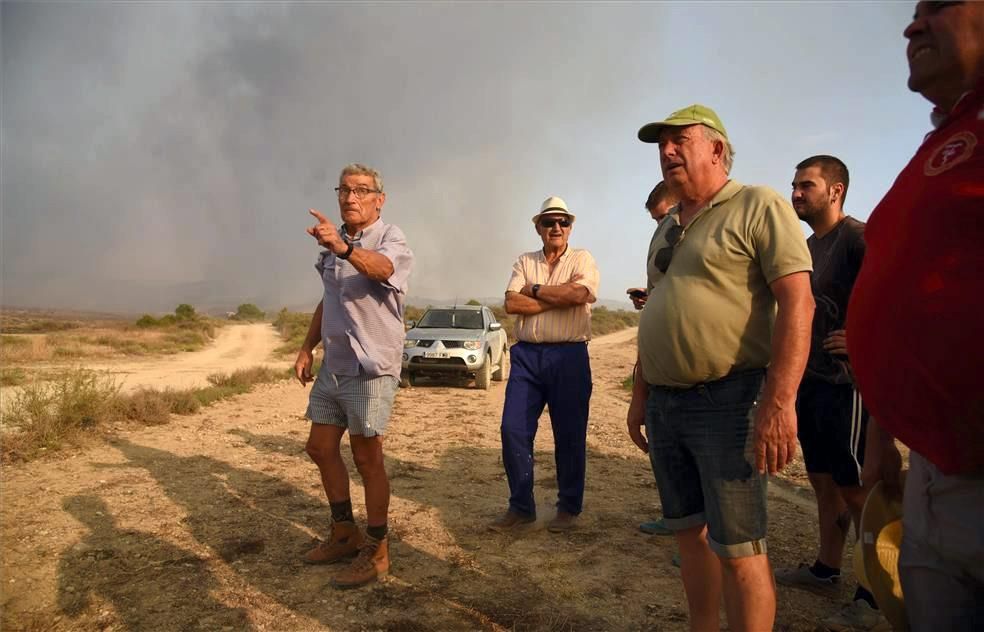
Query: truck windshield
pixel 451 319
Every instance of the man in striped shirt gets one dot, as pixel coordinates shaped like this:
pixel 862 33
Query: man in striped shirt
pixel 551 290
pixel 364 269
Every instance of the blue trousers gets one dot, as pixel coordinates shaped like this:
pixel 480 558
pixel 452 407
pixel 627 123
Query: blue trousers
pixel 558 375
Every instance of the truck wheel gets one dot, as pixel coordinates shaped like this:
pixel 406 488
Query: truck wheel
pixel 502 371
pixel 404 379
pixel 483 375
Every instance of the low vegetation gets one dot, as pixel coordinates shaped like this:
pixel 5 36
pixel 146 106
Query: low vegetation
pixel 26 341
pixel 47 416
pixel 292 327
pixel 12 376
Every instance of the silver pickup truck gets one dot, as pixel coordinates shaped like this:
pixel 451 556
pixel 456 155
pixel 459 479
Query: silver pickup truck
pixel 459 341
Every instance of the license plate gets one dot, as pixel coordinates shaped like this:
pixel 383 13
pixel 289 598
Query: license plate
pixel 437 354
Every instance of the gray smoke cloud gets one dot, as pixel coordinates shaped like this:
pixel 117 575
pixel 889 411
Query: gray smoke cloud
pixel 152 151
pixel 156 153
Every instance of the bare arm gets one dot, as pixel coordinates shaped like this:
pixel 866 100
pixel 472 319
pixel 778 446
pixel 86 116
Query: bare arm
pixel 305 357
pixel 370 263
pixel 775 418
pixel 376 266
pixel 882 461
pixel 517 303
pixel 636 417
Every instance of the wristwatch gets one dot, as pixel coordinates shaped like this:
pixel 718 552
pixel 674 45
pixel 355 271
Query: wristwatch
pixel 535 289
pixel 348 252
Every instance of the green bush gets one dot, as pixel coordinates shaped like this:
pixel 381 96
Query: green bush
pixel 147 321
pixel 249 313
pixel 185 311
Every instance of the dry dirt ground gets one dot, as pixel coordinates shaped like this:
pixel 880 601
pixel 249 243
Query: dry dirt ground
pixel 200 524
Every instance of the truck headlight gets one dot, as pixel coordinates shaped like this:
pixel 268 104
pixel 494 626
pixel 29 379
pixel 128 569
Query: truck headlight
pixel 409 344
pixel 473 345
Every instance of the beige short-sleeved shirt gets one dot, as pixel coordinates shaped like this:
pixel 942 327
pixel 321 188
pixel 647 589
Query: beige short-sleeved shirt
pixel 566 324
pixel 713 312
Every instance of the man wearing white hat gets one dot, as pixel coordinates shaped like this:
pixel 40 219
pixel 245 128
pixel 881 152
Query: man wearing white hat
pixel 551 291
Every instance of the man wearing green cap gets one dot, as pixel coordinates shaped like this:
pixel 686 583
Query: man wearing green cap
pixel 729 297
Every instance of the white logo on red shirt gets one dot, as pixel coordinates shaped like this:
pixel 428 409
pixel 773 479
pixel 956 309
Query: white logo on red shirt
pixel 955 150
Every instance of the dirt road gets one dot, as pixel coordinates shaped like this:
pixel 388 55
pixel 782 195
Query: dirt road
pixel 200 524
pixel 235 347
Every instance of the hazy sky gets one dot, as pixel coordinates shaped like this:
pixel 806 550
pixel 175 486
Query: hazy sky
pixel 159 152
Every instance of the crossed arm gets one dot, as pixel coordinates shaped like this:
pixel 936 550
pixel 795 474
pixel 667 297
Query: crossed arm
pixel 547 297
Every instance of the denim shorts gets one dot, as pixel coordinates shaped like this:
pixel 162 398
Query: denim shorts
pixel 701 447
pixel 360 403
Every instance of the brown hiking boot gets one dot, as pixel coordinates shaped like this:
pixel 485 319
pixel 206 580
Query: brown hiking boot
pixel 371 564
pixel 343 543
pixel 562 522
pixel 511 521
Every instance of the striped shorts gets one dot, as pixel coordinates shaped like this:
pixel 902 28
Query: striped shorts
pixel 360 403
pixel 832 424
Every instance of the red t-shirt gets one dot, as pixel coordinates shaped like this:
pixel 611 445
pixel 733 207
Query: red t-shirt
pixel 915 322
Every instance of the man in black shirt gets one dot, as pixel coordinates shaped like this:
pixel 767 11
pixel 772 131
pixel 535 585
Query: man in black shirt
pixel 832 420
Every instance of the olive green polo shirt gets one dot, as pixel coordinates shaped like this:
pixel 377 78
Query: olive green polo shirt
pixel 713 312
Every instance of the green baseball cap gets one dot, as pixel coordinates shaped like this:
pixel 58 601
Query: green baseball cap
pixel 695 114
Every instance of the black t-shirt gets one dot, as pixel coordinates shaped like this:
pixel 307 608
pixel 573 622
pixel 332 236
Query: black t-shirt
pixel 836 261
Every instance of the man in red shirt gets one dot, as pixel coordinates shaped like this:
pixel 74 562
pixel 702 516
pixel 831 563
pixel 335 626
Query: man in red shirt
pixel 914 328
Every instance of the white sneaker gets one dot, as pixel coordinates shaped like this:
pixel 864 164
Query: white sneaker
pixel 856 616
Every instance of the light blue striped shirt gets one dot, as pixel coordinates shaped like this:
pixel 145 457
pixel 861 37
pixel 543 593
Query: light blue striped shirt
pixel 362 320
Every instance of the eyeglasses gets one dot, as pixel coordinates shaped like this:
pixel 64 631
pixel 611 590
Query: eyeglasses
pixel 664 255
pixel 360 192
pixel 550 222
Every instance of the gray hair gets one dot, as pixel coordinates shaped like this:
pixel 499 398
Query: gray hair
pixel 358 169
pixel 728 157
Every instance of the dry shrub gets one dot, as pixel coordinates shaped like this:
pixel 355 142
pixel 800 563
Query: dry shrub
pixel 183 402
pixel 293 328
pixel 245 377
pixel 44 416
pixel 12 376
pixel 24 349
pixel 146 405
pixel 211 394
pixel 606 321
